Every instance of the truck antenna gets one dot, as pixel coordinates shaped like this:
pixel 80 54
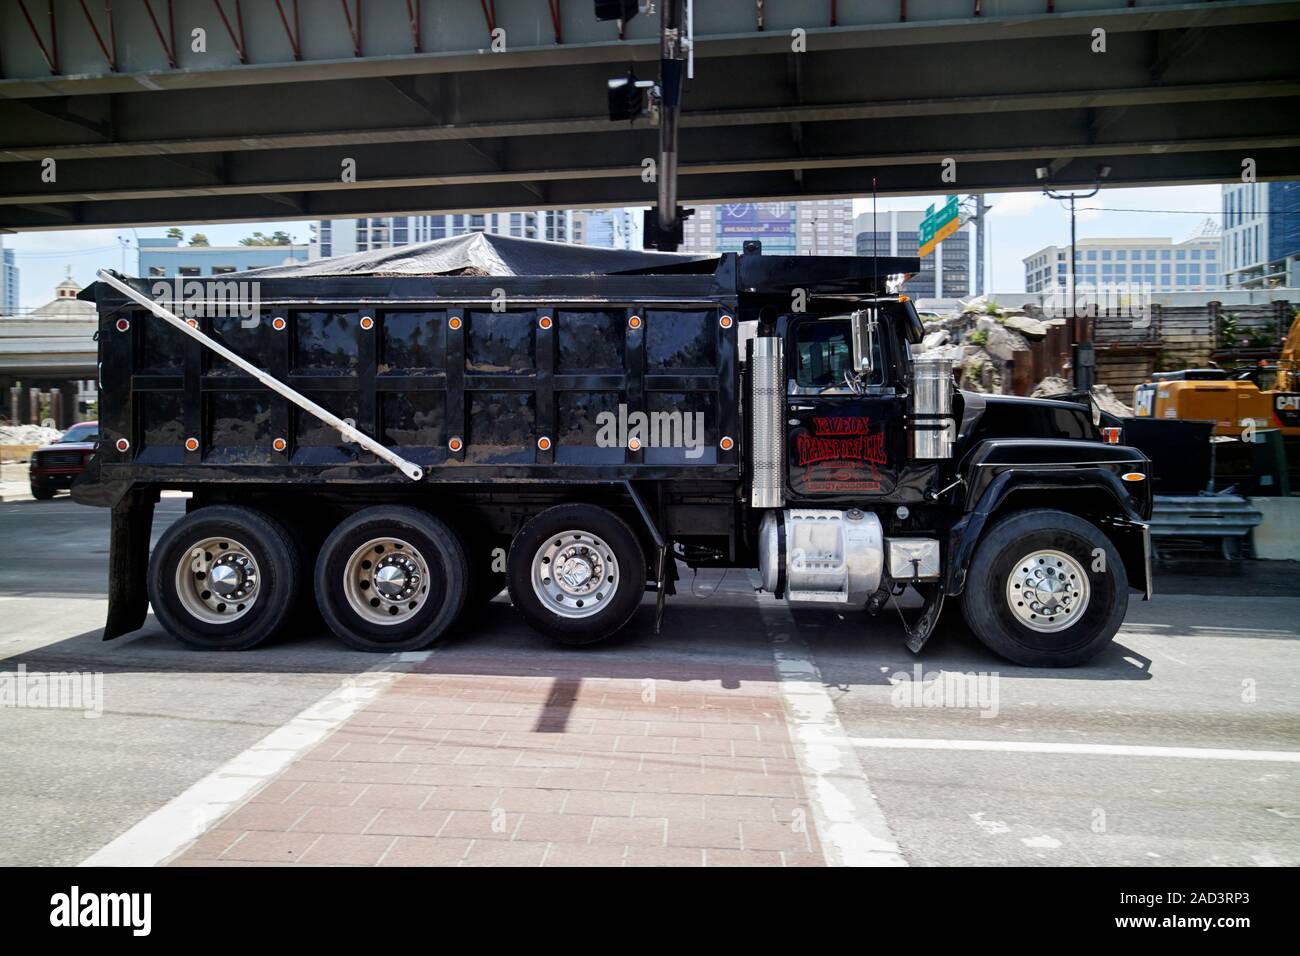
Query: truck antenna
pixel 875 239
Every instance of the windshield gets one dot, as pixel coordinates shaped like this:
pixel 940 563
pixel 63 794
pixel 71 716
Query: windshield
pixel 85 432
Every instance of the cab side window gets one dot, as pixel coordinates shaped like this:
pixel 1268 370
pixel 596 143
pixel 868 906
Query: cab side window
pixel 824 353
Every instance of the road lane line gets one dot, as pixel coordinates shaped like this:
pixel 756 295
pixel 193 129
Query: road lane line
pixel 168 830
pixel 1102 750
pixel 850 824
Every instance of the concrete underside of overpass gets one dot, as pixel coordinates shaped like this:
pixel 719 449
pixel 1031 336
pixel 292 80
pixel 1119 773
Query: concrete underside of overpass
pixel 1183 93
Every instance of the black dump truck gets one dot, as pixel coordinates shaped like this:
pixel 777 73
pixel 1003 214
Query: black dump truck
pixel 397 436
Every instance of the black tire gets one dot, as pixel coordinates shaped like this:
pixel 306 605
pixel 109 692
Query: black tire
pixel 438 599
pixel 278 573
pixel 988 608
pixel 617 608
pixel 43 492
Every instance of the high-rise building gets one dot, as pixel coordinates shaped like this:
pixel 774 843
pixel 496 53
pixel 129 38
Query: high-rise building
pixel 945 272
pixel 813 227
pixel 1160 264
pixel 611 228
pixel 1261 235
pixel 8 281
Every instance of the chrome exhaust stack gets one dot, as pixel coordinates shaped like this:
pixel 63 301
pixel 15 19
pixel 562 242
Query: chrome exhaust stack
pixel 767 422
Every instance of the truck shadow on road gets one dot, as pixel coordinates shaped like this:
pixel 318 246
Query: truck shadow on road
pixel 723 637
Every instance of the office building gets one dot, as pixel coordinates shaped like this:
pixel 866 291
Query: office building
pixel 945 272
pixel 8 281
pixel 167 257
pixel 610 228
pixel 1160 264
pixel 1261 235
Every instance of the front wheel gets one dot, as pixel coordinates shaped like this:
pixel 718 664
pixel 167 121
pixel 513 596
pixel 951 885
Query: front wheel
pixel 1045 589
pixel 41 491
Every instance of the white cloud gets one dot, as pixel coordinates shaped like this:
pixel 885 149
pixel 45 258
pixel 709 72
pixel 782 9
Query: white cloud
pixel 1016 204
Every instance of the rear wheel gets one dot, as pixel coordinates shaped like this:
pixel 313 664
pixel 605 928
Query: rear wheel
pixel 576 573
pixel 223 578
pixel 391 579
pixel 1045 589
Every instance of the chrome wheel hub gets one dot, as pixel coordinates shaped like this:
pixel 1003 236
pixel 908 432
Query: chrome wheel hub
pixel 1048 591
pixel 217 580
pixel 574 574
pixel 386 580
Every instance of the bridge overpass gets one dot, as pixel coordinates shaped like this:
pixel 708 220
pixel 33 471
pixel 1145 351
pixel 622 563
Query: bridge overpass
pixel 144 129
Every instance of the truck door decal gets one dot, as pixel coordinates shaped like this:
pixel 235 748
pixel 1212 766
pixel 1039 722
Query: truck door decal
pixel 840 438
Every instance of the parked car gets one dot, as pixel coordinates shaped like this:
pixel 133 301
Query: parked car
pixel 55 466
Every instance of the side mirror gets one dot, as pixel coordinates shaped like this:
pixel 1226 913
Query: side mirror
pixel 863 323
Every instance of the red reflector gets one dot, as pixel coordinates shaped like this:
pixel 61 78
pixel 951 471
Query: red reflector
pixel 1111 435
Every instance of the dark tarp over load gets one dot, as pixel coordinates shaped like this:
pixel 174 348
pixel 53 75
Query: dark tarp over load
pixel 482 254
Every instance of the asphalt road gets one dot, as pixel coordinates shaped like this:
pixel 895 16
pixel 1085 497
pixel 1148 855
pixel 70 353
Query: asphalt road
pixel 979 764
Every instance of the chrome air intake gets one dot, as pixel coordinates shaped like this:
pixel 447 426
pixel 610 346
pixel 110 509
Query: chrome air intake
pixel 931 427
pixel 767 414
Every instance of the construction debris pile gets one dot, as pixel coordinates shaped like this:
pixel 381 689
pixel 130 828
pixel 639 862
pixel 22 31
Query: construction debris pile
pixel 28 435
pixel 986 341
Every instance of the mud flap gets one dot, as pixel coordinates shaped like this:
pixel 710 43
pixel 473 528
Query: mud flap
pixel 128 563
pixel 919 632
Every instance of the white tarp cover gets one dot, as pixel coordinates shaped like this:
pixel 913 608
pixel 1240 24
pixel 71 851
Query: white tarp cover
pixel 481 254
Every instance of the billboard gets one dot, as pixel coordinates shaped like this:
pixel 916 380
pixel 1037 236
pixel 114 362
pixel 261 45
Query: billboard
pixel 773 223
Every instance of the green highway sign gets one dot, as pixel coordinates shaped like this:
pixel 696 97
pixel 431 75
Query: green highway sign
pixel 939 225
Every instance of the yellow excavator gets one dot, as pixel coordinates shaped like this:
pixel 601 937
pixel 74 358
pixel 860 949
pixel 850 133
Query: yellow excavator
pixel 1265 395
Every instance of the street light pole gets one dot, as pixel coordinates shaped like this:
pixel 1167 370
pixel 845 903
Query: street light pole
pixel 1082 353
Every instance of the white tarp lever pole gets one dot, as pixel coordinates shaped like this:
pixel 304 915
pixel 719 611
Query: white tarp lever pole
pixel 349 432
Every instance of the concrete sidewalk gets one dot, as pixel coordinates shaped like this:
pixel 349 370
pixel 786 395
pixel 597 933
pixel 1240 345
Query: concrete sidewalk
pixel 475 761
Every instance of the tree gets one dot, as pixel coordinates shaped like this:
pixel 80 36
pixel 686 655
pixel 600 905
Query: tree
pixel 278 238
pixel 198 239
pixel 175 233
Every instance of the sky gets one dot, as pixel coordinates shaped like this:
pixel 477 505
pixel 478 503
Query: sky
pixel 1019 224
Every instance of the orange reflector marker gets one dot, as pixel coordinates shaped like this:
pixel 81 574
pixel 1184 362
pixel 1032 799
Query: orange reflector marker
pixel 278 324
pixel 367 323
pixel 454 322
pixel 279 444
pixel 544 322
pixel 726 443
pixel 455 444
pixel 634 444
pixel 543 443
pixel 725 321
pixel 192 323
pixel 1133 476
pixel 904 298
pixel 191 444
pixel 634 322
